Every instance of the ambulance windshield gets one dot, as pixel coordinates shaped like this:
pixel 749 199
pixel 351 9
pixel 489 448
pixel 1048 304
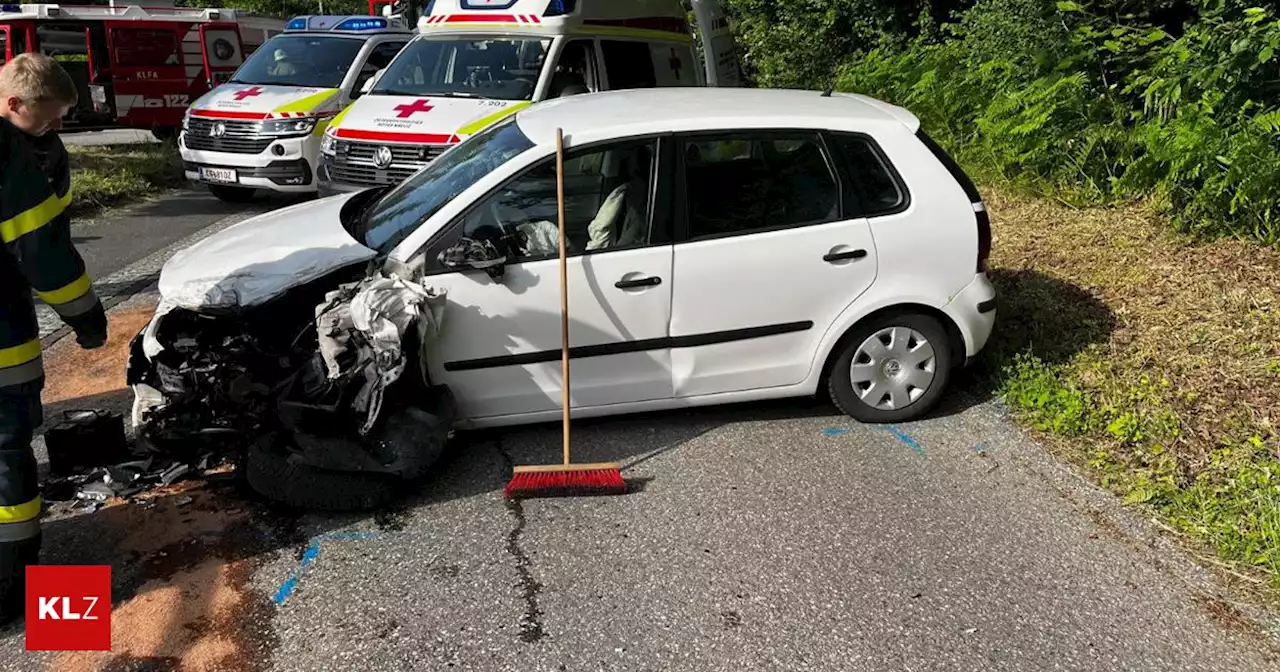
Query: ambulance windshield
pixel 503 68
pixel 301 60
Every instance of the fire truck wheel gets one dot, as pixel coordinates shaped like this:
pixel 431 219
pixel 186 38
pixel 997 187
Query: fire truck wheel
pixel 231 194
pixel 165 133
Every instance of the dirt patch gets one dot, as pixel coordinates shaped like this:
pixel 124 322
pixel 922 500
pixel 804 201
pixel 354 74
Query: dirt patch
pixel 191 607
pixel 74 373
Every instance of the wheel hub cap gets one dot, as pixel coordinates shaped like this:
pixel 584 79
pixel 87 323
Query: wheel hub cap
pixel 893 368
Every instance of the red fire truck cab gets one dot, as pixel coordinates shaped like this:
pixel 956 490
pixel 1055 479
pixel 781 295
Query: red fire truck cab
pixel 136 67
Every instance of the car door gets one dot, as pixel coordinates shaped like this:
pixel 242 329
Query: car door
pixel 499 346
pixel 768 253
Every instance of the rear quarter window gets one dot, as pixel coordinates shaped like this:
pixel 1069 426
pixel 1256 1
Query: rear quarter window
pixel 874 185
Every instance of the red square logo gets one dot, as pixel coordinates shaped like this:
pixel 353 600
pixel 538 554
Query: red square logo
pixel 69 608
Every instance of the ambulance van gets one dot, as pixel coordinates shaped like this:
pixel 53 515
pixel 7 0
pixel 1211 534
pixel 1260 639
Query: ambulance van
pixel 475 62
pixel 262 129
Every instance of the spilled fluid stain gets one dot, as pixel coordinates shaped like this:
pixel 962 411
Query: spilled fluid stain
pixel 531 629
pixel 184 599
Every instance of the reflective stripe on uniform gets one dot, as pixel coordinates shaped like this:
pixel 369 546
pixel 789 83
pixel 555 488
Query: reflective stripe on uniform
pixel 20 354
pixel 486 121
pixel 32 219
pixel 21 512
pixel 67 293
pixel 22 373
pixel 26 529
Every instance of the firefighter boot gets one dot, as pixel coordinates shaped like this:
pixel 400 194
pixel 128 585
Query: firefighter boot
pixel 20 414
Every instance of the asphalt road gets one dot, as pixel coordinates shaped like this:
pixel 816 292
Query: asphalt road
pixel 775 536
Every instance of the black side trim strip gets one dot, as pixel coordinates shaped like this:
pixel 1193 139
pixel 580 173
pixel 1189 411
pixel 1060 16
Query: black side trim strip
pixel 987 306
pixel 625 347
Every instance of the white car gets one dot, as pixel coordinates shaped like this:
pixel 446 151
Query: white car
pixel 725 245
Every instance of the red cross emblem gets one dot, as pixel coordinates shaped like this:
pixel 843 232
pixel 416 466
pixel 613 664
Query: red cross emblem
pixel 675 64
pixel 248 93
pixel 419 105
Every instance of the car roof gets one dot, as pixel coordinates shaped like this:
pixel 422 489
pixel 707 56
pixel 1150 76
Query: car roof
pixel 597 116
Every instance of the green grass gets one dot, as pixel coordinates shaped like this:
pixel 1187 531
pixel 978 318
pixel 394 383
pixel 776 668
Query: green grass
pixel 110 175
pixel 1156 377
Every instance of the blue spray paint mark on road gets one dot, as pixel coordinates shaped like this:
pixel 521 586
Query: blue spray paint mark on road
pixel 980 449
pixel 905 438
pixel 835 431
pixel 309 556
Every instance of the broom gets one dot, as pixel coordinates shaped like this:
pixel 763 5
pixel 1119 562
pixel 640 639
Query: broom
pixel 566 479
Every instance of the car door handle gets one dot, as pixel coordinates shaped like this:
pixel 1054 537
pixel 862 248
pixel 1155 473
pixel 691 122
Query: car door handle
pixel 841 256
pixel 638 282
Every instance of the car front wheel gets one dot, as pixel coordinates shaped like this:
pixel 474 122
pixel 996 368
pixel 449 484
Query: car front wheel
pixel 893 368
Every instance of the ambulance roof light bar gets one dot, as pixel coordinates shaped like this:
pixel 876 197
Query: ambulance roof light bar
pixel 344 23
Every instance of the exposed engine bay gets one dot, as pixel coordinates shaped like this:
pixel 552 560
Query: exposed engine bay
pixel 309 385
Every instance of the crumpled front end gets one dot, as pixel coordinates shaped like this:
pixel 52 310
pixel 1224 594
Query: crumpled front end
pixel 324 379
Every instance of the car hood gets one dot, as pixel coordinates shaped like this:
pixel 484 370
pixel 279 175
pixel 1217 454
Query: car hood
pixel 261 258
pixel 431 120
pixel 265 101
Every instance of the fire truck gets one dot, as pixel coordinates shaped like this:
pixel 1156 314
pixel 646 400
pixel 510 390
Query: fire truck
pixel 136 67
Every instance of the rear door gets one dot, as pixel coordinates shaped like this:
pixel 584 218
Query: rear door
pixel 222 51
pixel 768 253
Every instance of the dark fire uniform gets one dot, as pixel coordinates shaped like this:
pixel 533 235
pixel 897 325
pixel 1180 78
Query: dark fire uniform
pixel 35 254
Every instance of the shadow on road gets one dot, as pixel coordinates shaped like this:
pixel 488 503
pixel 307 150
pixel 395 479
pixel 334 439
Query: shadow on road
pixel 1038 314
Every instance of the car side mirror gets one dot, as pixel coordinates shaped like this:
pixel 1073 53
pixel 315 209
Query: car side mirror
pixel 368 83
pixel 469 253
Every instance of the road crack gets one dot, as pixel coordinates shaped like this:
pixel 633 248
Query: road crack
pixel 531 628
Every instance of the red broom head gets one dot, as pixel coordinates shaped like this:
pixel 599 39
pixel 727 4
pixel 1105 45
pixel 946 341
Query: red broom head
pixel 568 482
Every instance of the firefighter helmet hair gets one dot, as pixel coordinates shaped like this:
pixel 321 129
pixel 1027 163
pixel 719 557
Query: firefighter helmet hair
pixel 37 78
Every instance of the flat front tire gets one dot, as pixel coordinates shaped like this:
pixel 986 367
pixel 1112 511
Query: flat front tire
pixel 892 368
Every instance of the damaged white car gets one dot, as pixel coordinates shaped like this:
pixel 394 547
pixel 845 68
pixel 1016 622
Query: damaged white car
pixel 725 245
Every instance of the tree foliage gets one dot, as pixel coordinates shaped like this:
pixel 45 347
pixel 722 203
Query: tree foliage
pixel 1091 100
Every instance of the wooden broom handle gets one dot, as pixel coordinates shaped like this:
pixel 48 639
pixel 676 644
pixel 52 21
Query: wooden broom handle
pixel 564 294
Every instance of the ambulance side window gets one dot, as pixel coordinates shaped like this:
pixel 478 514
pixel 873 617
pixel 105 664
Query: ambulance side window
pixel 629 65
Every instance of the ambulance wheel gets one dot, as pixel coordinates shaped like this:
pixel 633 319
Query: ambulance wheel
pixel 231 194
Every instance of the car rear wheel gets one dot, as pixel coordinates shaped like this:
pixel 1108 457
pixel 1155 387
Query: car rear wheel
pixel 231 194
pixel 892 368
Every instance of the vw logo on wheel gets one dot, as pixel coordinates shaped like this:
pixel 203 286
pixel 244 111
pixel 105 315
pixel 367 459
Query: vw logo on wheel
pixel 383 157
pixel 219 129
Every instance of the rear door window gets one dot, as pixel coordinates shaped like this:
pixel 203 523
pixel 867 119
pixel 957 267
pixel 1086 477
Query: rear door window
pixel 740 183
pixel 673 65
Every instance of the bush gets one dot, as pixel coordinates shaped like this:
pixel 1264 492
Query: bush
pixel 1092 102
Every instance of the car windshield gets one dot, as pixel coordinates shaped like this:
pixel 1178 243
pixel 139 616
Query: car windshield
pixel 504 68
pixel 402 210
pixel 300 60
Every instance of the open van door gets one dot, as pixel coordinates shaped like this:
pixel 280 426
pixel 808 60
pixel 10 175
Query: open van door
pixel 223 51
pixel 719 52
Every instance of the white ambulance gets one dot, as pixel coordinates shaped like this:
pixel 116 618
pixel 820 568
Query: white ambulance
pixel 477 61
pixel 262 129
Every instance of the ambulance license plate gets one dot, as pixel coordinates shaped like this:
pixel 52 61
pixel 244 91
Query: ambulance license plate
pixel 218 175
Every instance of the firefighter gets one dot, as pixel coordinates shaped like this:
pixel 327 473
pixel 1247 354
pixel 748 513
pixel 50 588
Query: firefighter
pixel 36 254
